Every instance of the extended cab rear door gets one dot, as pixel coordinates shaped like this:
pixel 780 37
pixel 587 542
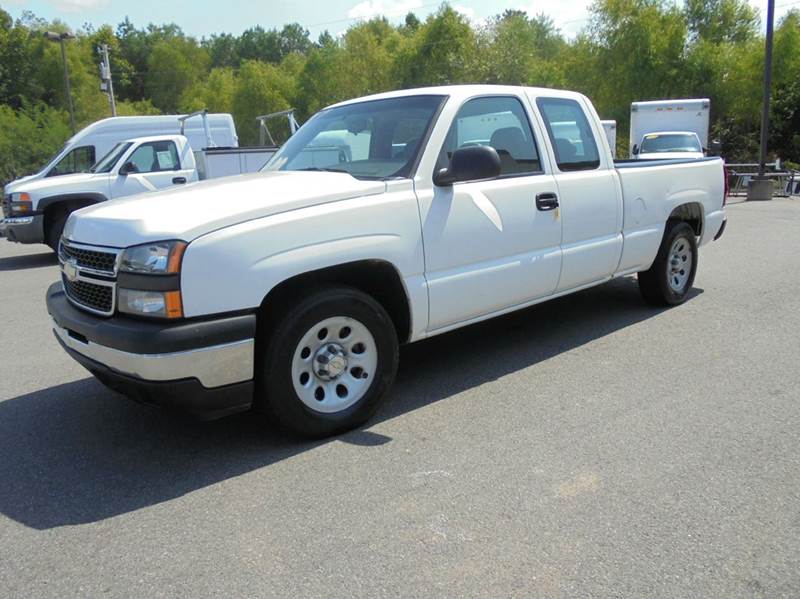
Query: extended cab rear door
pixel 589 193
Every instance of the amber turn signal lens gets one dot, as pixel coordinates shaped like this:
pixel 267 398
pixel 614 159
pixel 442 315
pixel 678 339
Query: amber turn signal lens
pixel 173 304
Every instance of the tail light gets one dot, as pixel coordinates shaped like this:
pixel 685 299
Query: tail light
pixel 727 185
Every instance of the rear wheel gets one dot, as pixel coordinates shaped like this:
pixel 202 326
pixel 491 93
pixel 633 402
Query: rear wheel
pixel 328 363
pixel 668 281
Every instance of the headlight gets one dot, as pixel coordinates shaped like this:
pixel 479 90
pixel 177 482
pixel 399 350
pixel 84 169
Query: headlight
pixel 161 304
pixel 158 258
pixel 149 280
pixel 21 203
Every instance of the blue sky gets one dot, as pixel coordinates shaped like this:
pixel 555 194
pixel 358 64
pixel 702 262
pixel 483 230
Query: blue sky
pixel 203 17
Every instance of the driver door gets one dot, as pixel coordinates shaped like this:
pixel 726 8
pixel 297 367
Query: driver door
pixel 156 166
pixel 488 246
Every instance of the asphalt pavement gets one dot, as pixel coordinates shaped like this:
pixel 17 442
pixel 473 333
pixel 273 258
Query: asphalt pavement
pixel 591 446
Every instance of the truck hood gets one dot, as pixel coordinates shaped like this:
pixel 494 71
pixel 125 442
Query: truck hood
pixel 48 186
pixel 16 183
pixel 188 212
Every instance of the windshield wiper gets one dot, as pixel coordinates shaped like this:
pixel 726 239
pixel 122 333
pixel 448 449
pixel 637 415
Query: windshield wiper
pixel 325 169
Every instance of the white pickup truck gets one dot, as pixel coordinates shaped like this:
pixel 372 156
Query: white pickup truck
pixel 36 210
pixel 383 220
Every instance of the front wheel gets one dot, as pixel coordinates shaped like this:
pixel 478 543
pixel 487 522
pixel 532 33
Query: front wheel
pixel 55 229
pixel 668 281
pixel 328 363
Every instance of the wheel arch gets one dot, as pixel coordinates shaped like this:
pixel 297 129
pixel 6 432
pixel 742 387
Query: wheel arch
pixel 691 213
pixel 52 205
pixel 375 277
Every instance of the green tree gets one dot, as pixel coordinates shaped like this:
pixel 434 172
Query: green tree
pixel 172 67
pixel 721 21
pixel 442 51
pixel 214 92
pixel 518 50
pixel 261 88
pixel 30 137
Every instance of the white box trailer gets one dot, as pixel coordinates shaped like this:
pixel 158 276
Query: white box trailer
pixel 669 116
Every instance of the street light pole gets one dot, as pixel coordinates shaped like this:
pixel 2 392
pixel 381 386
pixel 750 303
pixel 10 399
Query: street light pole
pixel 762 187
pixel 762 159
pixel 61 38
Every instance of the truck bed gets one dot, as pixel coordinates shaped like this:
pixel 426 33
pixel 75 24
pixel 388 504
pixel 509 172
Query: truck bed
pixel 636 163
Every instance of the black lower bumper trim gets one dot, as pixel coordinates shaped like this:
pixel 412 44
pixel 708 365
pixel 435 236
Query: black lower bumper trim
pixel 187 395
pixel 29 232
pixel 142 337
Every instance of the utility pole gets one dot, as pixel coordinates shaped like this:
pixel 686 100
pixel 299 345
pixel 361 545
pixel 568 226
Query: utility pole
pixel 761 187
pixel 61 38
pixel 106 84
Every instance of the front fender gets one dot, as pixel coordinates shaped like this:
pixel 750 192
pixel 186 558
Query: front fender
pixel 234 268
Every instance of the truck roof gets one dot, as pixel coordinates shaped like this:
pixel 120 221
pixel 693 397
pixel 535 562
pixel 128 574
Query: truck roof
pixel 670 133
pixel 684 103
pixel 147 138
pixel 465 91
pixel 117 123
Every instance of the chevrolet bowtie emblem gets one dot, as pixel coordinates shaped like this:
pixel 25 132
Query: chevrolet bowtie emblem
pixel 71 269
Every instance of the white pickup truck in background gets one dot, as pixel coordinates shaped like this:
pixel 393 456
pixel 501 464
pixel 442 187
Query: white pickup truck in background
pixel 36 207
pixel 383 220
pixel 94 141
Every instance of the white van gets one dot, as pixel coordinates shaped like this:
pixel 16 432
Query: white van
pixel 670 129
pixel 94 141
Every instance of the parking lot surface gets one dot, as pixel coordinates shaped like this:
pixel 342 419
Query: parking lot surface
pixel 589 446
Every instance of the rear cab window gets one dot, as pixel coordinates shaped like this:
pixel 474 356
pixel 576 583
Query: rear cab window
pixel 570 133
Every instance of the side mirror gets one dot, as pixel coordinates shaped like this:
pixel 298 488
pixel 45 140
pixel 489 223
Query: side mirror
pixel 715 147
pixel 635 149
pixel 469 164
pixel 127 168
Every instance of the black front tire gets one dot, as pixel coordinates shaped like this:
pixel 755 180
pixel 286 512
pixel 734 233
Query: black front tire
pixel 55 228
pixel 275 390
pixel 654 283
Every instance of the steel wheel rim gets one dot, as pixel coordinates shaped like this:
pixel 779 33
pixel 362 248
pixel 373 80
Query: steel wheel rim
pixel 679 264
pixel 333 364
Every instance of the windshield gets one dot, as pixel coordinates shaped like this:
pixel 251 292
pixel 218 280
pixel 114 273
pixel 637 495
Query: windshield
pixel 107 162
pixel 77 160
pixel 377 139
pixel 670 142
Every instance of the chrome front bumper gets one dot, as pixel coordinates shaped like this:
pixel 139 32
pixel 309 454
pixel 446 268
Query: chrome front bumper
pixel 213 366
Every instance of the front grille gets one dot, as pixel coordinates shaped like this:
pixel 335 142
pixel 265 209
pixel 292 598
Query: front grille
pixel 85 258
pixel 99 298
pixel 7 206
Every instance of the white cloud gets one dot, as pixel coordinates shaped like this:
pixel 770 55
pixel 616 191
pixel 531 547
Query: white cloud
pixel 78 5
pixel 377 8
pixel 570 17
pixel 467 11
